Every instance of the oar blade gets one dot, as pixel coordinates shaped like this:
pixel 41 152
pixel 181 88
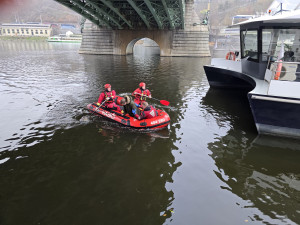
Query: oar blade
pixel 164 102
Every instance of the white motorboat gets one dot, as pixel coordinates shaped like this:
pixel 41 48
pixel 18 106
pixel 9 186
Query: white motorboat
pixel 269 67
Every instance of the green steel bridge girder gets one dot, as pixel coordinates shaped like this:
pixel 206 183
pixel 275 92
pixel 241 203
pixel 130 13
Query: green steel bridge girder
pixel 82 12
pixel 182 9
pixel 152 10
pixel 89 10
pixel 131 14
pixel 168 14
pixel 139 12
pixel 109 5
pixel 103 12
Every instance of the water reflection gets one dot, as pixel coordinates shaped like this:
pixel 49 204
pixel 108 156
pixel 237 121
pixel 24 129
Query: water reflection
pixel 59 165
pixel 264 170
pixel 81 172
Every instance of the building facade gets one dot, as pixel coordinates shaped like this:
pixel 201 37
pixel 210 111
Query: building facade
pixel 26 29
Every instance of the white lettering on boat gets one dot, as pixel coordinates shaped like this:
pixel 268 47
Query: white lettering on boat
pixel 107 114
pixel 157 121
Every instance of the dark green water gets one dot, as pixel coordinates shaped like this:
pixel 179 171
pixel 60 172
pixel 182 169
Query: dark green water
pixel 59 165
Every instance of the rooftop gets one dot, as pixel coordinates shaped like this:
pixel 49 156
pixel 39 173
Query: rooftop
pixel 37 25
pixel 283 17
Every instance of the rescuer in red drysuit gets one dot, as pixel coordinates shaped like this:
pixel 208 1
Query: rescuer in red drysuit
pixel 148 112
pixel 141 94
pixel 109 97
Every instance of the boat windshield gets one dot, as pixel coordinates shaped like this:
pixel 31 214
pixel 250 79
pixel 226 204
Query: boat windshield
pixel 249 44
pixel 281 44
pixel 281 48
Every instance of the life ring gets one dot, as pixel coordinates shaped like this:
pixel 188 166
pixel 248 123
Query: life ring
pixel 278 70
pixel 230 56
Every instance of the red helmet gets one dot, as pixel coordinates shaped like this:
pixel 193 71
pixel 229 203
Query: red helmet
pixel 142 84
pixel 107 86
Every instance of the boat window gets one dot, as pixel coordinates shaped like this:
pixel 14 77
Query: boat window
pixel 281 44
pixel 249 44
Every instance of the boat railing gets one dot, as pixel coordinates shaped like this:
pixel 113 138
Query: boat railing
pixel 285 71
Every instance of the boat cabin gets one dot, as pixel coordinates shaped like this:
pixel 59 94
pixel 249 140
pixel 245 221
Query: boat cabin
pixel 266 40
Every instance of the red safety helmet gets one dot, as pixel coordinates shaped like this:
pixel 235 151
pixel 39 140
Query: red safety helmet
pixel 107 86
pixel 142 84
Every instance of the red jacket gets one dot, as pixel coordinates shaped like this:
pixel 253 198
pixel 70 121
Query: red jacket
pixel 140 97
pixel 105 94
pixel 148 113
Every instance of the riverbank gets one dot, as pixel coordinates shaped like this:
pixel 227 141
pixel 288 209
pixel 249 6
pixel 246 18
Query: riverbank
pixel 19 38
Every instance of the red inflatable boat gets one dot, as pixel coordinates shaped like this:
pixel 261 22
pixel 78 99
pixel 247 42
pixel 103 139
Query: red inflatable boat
pixel 162 120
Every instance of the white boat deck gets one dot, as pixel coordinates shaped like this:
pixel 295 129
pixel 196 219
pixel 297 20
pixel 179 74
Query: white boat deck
pixel 262 86
pixel 268 86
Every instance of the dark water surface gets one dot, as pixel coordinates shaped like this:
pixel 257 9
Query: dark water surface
pixel 59 165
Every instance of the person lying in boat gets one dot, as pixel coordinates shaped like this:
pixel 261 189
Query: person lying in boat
pixel 147 112
pixel 129 106
pixel 108 97
pixel 141 94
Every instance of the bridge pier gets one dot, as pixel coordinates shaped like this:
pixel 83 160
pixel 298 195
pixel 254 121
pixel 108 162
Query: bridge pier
pixel 190 41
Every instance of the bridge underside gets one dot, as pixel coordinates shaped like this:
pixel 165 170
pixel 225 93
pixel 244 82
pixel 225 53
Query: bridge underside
pixel 113 25
pixel 131 14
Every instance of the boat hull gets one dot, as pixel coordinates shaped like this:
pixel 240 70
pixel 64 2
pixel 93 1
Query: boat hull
pixel 276 115
pixel 223 78
pixel 159 122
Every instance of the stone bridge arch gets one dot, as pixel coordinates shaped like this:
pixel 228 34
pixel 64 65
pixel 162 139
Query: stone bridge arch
pixel 127 40
pixel 130 46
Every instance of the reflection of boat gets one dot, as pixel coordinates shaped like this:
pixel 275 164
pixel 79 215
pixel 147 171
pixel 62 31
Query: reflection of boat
pixel 270 59
pixel 70 39
pixel 158 122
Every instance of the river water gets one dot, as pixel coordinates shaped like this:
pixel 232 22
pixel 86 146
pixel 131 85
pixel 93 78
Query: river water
pixel 59 165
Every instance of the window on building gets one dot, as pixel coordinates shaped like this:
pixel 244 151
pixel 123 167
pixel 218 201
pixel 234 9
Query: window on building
pixel 8 31
pixel 27 31
pixel 18 31
pixel 36 32
pixel 46 32
pixel 31 32
pixel 22 31
pixel 3 31
pixel 13 31
pixel 41 31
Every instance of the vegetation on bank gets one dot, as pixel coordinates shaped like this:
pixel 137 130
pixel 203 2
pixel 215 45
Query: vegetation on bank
pixel 13 38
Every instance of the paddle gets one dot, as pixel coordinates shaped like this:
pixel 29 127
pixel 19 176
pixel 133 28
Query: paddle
pixel 163 102
pixel 99 106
